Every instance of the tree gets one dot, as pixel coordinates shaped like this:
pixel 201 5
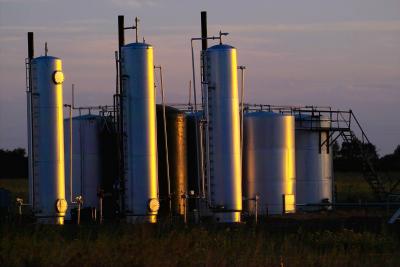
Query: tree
pixel 14 163
pixel 391 162
pixel 397 151
pixel 335 150
pixel 352 154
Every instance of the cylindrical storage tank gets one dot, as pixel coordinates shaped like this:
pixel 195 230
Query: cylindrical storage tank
pixel 177 159
pixel 48 194
pixel 110 189
pixel 193 151
pixel 313 161
pixel 86 159
pixel 140 136
pixel 197 186
pixel 269 163
pixel 225 174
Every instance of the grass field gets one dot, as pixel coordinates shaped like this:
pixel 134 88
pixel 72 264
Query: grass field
pixel 350 187
pixel 329 238
pixel 18 187
pixel 165 245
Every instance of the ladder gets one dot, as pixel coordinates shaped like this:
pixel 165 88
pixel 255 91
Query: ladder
pixel 344 124
pixel 208 95
pixel 394 217
pixel 370 175
pixel 35 141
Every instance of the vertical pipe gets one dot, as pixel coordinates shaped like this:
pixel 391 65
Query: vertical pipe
pixel 166 142
pixel 202 54
pixel 242 68
pixel 204 30
pixel 256 199
pixel 116 73
pixel 121 42
pixel 283 204
pixel 190 93
pixel 70 154
pixel 136 29
pixel 101 209
pixel 79 213
pixel 121 33
pixel 30 45
pixel 81 154
pixel 194 78
pixel 198 144
pixel 204 46
pixel 73 96
pixel 185 213
pixel 31 165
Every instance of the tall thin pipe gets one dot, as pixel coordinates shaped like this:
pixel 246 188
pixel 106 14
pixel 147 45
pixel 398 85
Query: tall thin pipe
pixel 70 153
pixel 198 144
pixel 116 73
pixel 190 93
pixel 242 68
pixel 73 96
pixel 136 29
pixel 166 140
pixel 30 120
pixel 71 107
pixel 121 43
pixel 81 153
pixel 194 77
pixel 204 30
pixel 121 33
pixel 204 46
pixel 31 47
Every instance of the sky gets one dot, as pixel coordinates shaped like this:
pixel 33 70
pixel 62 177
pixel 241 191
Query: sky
pixel 343 53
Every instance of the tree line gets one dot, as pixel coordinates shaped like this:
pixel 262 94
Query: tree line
pixel 350 157
pixel 14 163
pixel 346 157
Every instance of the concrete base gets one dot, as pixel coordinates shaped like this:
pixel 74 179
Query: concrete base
pixel 141 219
pixel 227 217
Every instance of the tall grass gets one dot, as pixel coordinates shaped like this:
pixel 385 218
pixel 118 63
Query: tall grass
pixel 324 239
pixel 165 245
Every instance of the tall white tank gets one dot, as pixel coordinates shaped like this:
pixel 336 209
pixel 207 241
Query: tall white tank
pixel 313 160
pixel 49 202
pixel 86 159
pixel 140 135
pixel 269 163
pixel 225 174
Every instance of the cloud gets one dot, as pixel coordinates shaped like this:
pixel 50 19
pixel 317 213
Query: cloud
pixel 137 3
pixel 10 39
pixel 45 29
pixel 358 26
pixel 22 1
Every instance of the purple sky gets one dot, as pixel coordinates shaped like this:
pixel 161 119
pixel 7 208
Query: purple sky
pixel 341 53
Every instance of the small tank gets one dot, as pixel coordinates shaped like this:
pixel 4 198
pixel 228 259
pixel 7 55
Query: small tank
pixel 110 183
pixel 177 157
pixel 269 163
pixel 193 153
pixel 86 159
pixel 313 161
pixel 94 164
pixel 197 186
